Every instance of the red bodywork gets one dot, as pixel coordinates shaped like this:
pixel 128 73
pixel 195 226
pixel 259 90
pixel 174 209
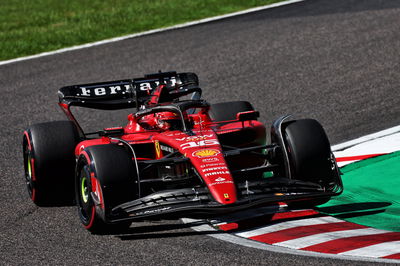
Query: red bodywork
pixel 202 147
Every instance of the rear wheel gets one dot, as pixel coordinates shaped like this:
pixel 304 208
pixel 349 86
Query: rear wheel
pixel 309 155
pixel 49 162
pixel 105 178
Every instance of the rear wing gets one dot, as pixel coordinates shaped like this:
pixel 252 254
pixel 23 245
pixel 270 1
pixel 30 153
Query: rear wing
pixel 120 94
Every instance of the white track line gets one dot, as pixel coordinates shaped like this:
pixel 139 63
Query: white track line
pixel 212 232
pixel 383 142
pixel 348 144
pixel 307 241
pixel 379 250
pixel 183 25
pixel 288 225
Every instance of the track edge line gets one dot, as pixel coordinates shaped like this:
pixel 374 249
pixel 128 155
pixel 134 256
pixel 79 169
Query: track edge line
pixel 144 33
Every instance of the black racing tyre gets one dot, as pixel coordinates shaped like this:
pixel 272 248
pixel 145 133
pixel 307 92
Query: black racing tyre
pixel 105 178
pixel 309 155
pixel 228 110
pixel 49 162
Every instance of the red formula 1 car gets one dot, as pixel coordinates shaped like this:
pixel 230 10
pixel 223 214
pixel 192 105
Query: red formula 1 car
pixel 175 157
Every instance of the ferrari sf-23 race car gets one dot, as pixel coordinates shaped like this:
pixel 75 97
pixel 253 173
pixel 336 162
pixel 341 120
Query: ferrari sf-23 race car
pixel 177 156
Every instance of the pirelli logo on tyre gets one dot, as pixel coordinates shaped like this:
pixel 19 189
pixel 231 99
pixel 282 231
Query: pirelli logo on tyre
pixel 205 153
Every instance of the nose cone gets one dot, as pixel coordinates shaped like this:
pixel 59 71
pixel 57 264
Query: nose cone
pixel 205 153
pixel 212 167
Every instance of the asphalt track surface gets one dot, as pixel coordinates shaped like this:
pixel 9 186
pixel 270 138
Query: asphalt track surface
pixel 336 61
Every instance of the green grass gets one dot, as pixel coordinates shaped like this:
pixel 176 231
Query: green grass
pixel 32 26
pixel 371 196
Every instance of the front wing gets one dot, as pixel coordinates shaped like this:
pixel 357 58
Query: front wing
pixel 197 202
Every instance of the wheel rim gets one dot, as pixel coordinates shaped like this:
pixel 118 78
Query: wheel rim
pixel 85 203
pixel 84 190
pixel 29 172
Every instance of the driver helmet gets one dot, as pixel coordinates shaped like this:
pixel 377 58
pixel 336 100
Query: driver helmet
pixel 168 121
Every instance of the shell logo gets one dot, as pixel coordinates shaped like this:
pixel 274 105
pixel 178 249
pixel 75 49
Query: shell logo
pixel 205 153
pixel 158 150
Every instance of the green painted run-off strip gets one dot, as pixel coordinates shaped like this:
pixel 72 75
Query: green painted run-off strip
pixel 371 194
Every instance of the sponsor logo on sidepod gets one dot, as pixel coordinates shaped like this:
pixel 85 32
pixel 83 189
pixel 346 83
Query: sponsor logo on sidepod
pixel 166 148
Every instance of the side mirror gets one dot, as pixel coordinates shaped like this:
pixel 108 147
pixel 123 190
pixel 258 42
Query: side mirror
pixel 249 115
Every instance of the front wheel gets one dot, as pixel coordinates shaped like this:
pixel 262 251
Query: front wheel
pixel 105 178
pixel 310 156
